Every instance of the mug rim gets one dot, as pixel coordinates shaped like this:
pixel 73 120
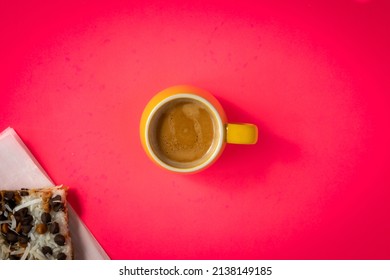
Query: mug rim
pixel 220 124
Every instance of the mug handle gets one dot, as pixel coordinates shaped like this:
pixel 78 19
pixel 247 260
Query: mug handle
pixel 241 133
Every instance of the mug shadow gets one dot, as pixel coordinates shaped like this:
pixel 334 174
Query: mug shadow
pixel 243 165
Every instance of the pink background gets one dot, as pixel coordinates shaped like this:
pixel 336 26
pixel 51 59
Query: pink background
pixel 313 75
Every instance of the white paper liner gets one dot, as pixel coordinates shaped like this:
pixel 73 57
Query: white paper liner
pixel 19 169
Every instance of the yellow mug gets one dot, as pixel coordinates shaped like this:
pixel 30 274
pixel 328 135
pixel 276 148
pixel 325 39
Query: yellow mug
pixel 184 129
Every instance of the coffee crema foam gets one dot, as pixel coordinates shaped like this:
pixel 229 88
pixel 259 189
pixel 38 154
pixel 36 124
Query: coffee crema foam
pixel 184 131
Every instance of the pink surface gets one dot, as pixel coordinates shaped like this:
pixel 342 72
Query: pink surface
pixel 313 76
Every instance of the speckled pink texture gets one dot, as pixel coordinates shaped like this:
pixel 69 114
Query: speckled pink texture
pixel 313 75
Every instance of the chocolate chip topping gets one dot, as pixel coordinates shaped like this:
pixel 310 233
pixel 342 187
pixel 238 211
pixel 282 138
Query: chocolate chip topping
pixel 23 239
pixel 54 228
pixel 10 203
pixel 27 219
pixel 45 218
pixel 55 199
pixel 8 195
pixel 47 250
pixel 11 237
pixel 26 228
pixel 56 203
pixel 22 212
pixel 59 239
pixel 58 207
pixel 24 192
pixel 61 256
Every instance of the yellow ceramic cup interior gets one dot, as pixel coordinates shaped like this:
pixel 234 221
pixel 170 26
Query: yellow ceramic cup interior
pixel 226 132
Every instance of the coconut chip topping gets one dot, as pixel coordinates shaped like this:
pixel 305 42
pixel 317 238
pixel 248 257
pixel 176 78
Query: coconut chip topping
pixel 34 225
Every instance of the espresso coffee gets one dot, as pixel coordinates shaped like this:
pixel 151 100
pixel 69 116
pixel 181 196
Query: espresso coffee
pixel 184 131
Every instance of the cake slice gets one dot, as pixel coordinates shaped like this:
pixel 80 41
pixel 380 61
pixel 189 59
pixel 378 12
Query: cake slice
pixel 34 224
